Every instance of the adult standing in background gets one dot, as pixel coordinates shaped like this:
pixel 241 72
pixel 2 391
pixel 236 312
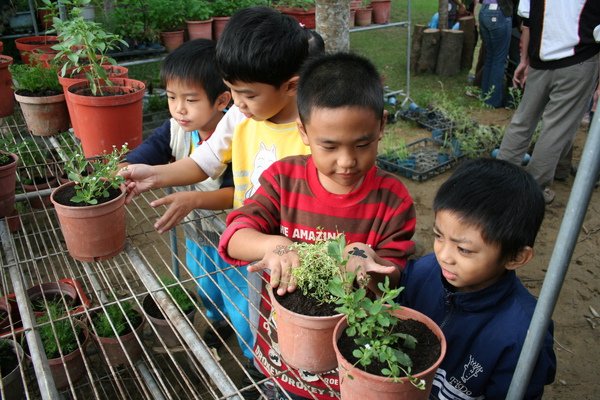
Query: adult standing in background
pixel 559 62
pixel 495 26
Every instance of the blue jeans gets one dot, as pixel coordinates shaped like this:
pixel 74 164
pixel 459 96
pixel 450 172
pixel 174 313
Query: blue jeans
pixel 223 290
pixel 495 29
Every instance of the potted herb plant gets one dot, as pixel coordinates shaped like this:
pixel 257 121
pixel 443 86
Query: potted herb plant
pixel 199 20
pixel 185 301
pixel 91 208
pixel 384 351
pixel 64 341
pixel 306 318
pixel 168 17
pixel 7 98
pixel 11 355
pixel 65 293
pixel 104 111
pixel 118 330
pixel 41 98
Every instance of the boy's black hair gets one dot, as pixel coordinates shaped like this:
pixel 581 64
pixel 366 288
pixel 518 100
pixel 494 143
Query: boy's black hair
pixel 316 44
pixel 260 44
pixel 194 63
pixel 339 80
pixel 501 199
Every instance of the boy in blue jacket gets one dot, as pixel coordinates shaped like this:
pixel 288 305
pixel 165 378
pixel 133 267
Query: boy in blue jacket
pixel 487 215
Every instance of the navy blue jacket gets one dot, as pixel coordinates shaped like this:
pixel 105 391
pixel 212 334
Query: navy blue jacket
pixel 156 150
pixel 484 330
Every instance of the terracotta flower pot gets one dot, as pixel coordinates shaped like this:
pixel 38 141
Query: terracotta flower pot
pixel 381 11
pixel 44 116
pixel 116 349
pixel 12 381
pixel 172 40
pixel 10 323
pixel 200 29
pixel 356 384
pixel 69 289
pixel 163 327
pixel 305 341
pixel 7 97
pixel 35 44
pixel 92 233
pixel 306 17
pixel 8 179
pixel 114 71
pixel 219 24
pixel 110 120
pixel 364 16
pixel 73 363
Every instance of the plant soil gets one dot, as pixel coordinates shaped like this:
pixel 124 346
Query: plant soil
pixel 423 356
pixel 8 360
pixel 39 93
pixel 305 305
pixel 64 195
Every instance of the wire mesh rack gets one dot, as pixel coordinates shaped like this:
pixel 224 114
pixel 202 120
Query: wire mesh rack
pixel 177 364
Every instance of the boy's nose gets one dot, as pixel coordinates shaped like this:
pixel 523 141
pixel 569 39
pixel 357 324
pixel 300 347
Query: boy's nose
pixel 346 161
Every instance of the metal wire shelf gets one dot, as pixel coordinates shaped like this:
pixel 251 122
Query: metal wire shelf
pixel 36 253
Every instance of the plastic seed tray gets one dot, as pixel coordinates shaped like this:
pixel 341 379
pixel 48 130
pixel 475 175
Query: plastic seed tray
pixel 427 158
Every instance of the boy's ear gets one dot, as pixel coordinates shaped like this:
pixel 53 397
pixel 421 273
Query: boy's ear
pixel 302 131
pixel 523 257
pixel 292 85
pixel 382 123
pixel 223 100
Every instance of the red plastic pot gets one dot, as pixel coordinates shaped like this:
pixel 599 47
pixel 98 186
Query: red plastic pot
pixel 219 24
pixel 114 71
pixel 38 44
pixel 109 120
pixel 7 95
pixel 200 29
pixel 95 232
pixel 172 40
pixel 8 179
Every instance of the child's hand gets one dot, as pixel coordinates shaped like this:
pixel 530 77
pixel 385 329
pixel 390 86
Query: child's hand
pixel 179 205
pixel 363 260
pixel 138 179
pixel 280 260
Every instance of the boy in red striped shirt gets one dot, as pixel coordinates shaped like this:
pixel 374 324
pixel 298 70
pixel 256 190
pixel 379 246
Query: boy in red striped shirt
pixel 336 189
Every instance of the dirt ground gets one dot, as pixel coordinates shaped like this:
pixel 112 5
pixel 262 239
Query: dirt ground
pixel 576 337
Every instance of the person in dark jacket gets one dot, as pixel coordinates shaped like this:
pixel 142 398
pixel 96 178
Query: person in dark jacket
pixel 487 215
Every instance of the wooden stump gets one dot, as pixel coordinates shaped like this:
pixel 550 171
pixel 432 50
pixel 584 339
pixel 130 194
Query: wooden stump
pixel 415 51
pixel 430 45
pixel 467 25
pixel 449 56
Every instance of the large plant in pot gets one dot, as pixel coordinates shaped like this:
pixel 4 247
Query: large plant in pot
pixel 168 18
pixel 105 111
pixel 41 98
pixel 384 351
pixel 306 318
pixel 91 208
